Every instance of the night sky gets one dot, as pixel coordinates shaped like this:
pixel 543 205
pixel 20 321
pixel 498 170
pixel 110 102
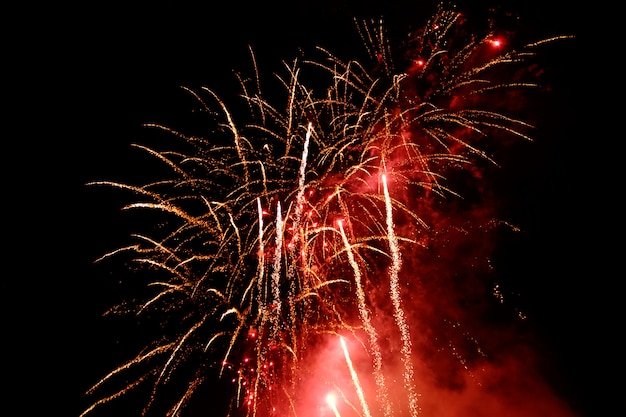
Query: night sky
pixel 81 81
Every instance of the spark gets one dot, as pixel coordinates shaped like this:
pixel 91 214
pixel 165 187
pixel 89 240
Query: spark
pixel 396 299
pixel 367 324
pixel 276 300
pixel 332 403
pixel 355 378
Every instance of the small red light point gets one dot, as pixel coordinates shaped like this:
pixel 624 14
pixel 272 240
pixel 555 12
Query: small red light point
pixel 496 42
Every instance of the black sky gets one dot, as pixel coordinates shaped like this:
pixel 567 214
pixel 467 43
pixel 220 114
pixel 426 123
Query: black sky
pixel 82 79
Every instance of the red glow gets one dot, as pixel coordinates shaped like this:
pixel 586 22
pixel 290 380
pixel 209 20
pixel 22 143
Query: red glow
pixel 496 42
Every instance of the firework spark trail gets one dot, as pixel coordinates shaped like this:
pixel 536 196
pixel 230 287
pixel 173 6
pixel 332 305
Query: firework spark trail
pixel 297 240
pixel 276 301
pixel 260 355
pixel 303 162
pixel 367 324
pixel 396 299
pixel 355 378
pixel 261 263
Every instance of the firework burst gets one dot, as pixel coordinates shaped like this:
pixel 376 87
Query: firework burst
pixel 309 232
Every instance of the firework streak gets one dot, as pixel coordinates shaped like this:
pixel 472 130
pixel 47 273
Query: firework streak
pixel 307 247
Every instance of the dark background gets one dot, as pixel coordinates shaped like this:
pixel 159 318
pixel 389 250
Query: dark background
pixel 80 80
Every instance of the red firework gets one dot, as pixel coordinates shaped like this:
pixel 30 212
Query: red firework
pixel 339 245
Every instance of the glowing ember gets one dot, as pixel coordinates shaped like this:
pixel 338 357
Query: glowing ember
pixel 332 403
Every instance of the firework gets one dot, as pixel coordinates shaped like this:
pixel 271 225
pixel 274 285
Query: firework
pixel 310 233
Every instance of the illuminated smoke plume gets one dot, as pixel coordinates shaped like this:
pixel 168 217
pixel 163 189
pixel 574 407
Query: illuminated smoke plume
pixel 330 255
